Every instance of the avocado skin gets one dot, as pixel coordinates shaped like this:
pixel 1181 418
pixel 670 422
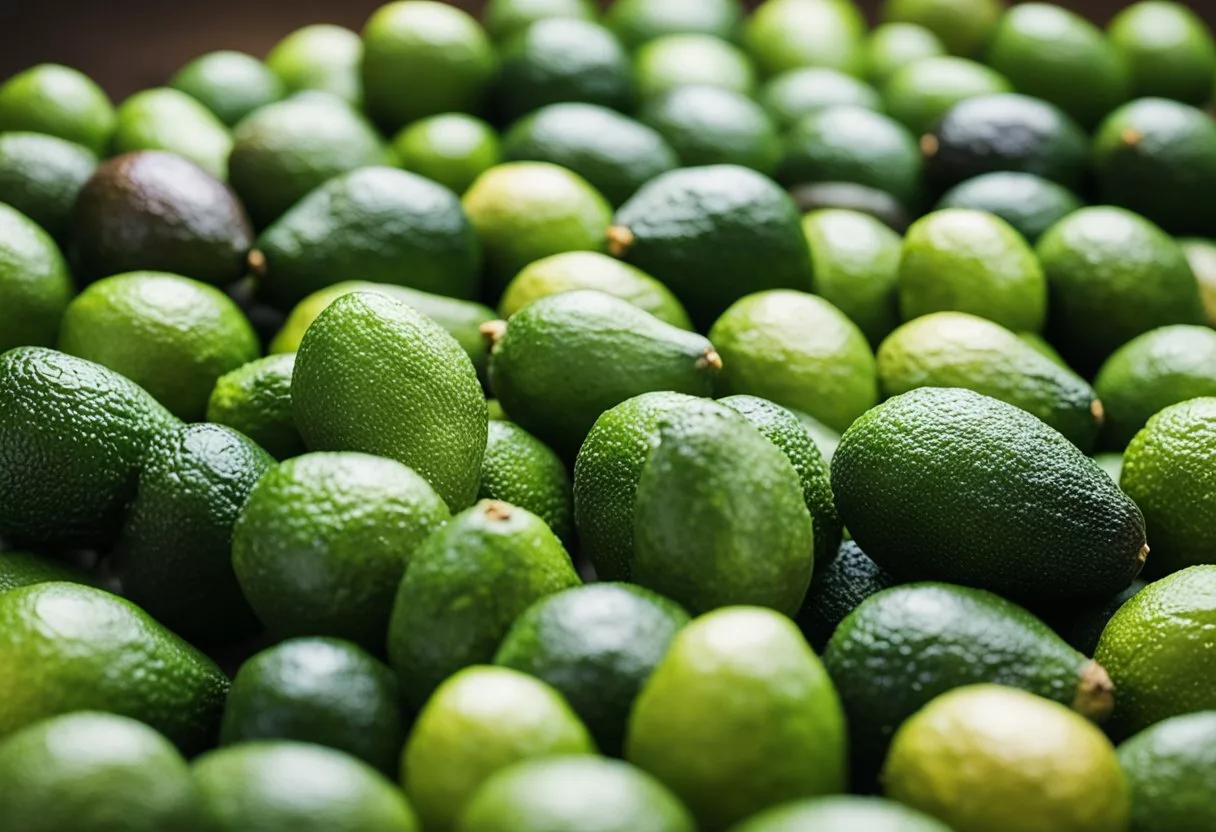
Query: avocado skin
pixel 41 177
pixel 949 484
pixel 697 539
pixel 567 358
pixel 175 553
pixel 838 586
pixel 782 428
pixel 712 235
pixel 72 437
pixel 1006 132
pixel 151 210
pixel 903 646
pixel 375 224
pixel 1031 204
pixel 880 205
pixel 1087 623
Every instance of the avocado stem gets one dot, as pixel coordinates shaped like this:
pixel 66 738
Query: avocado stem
pixel 929 145
pixel 1098 411
pixel 493 331
pixel 1095 696
pixel 1142 555
pixel 1131 136
pixel 711 359
pixel 620 240
pixel 496 510
pixel 256 261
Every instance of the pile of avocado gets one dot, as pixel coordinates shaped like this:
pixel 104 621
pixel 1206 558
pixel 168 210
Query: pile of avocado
pixel 649 416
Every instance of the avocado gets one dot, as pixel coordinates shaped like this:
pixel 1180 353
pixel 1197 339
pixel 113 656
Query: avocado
pixel 837 587
pixel 465 586
pixel 561 59
pixel 919 93
pixel 1168 50
pixel 36 284
pixel 695 541
pixel 596 645
pixel 66 647
pixel 255 399
pixel 76 433
pixel 637 22
pixel 949 484
pixel 613 152
pixel 825 439
pixel 787 34
pixel 325 691
pixel 1029 203
pixel 713 126
pixel 152 210
pixel 58 101
pixel 795 94
pixel 712 235
pixel 1089 620
pixel 1158 158
pixel 503 18
pixel 606 475
pixel 282 151
pixel 168 119
pixel 1112 275
pixel 175 552
pixel 368 354
pixel 561 361
pixel 19 569
pixel 521 470
pixel 321 57
pixel 689 59
pixel 853 144
pixel 1006 132
pixel 230 84
pixel 378 224
pixel 782 428
pixel 954 349
pixel 881 205
pixel 904 646
pixel 41 176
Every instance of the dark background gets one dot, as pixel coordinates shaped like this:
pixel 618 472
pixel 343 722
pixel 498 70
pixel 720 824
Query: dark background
pixel 132 44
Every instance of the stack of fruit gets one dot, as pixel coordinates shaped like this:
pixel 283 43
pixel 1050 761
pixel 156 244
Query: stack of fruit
pixel 299 532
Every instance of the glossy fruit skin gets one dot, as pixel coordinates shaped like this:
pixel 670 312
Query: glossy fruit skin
pixel 480 721
pixel 712 235
pixel 59 101
pixel 1054 54
pixel 1007 133
pixel 521 470
pixel 172 335
pixel 35 283
pixel 230 84
pixel 793 95
pixel 636 22
pixel 324 538
pixel 689 59
pixel 90 426
pixel 255 399
pixel 1165 471
pixel 19 569
pixel 948 484
pixel 1029 203
pixel 1158 157
pixel 452 149
pixel 787 34
pixel 87 771
pixel 567 358
pixel 280 786
pixel 595 644
pixel 41 175
pixel 375 224
pixel 574 792
pixel 696 544
pixel 841 814
pixel 616 154
pixel 954 349
pixel 1168 50
pixel 838 585
pixel 562 59
pixel 1112 275
pixel 284 150
pixel 407 41
pixel 739 672
pixel 320 57
pixel 67 647
pixel 1168 768
pixel 920 93
pixel 166 119
pixel 427 411
pixel 903 646
pixel 963 28
pixel 503 556
pixel 503 18
pixel 152 210
pixel 175 553
pixel 1063 776
pixel 711 126
pixel 894 44
pixel 320 690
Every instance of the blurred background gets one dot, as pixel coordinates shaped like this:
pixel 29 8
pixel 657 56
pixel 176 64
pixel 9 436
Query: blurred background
pixel 128 45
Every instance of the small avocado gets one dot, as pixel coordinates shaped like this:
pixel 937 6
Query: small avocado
pixel 230 84
pixel 954 349
pixel 1087 623
pixel 156 211
pixel 168 119
pixel 561 361
pixel 838 586
pixel 521 470
pixel 1029 203
pixel 465 586
pixel 713 126
pixel 850 196
pixel 1005 132
pixel 903 646
pixel 41 176
pixel 376 224
pixel 712 235
pixel 949 484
